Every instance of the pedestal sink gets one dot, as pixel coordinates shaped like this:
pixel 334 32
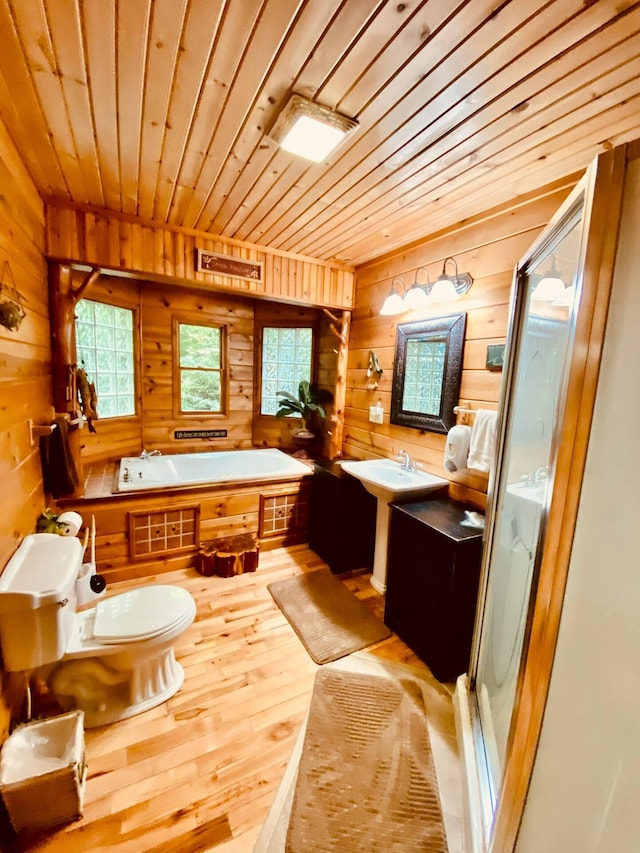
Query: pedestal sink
pixel 389 481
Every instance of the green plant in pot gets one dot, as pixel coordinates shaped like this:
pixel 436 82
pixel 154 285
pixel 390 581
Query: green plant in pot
pixel 309 405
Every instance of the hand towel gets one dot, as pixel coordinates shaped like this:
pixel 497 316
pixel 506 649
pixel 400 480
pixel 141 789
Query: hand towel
pixel 58 466
pixel 456 450
pixel 482 450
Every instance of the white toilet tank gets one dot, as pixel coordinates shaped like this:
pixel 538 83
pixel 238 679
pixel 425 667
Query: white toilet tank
pixel 38 600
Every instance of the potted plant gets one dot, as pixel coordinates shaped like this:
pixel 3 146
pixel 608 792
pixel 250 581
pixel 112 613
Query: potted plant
pixel 309 405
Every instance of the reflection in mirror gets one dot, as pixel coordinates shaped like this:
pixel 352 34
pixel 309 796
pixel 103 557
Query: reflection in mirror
pixel 426 372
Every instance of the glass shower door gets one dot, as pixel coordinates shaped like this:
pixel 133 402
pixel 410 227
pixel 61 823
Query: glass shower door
pixel 542 333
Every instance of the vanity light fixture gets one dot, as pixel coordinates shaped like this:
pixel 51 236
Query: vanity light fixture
pixel 395 302
pixel 447 288
pixel 566 297
pixel 420 296
pixel 310 130
pixel 550 287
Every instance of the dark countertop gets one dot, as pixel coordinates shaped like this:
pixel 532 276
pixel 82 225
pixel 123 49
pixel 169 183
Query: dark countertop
pixel 443 515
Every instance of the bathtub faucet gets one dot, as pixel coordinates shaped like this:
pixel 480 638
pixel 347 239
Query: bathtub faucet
pixel 146 454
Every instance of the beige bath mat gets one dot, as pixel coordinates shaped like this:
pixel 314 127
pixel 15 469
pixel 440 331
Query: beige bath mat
pixel 328 619
pixel 366 778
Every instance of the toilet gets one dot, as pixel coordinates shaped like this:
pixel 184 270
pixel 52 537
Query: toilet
pixel 111 661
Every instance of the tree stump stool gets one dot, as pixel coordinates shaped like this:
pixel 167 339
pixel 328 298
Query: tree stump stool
pixel 230 556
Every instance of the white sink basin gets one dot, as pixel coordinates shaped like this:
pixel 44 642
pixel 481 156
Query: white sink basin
pixel 389 480
pixel 526 501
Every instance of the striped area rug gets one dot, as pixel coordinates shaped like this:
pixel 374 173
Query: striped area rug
pixel 328 619
pixel 366 779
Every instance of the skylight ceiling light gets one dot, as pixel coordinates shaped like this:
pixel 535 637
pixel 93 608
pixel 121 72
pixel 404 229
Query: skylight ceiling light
pixel 310 130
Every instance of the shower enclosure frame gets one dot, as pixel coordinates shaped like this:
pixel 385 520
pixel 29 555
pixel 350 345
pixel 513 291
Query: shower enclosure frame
pixel 494 814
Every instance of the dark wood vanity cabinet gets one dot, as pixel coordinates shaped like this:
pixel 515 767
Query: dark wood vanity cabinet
pixel 342 519
pixel 433 572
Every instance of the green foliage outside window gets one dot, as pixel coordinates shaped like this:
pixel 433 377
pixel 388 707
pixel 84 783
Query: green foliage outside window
pixel 200 366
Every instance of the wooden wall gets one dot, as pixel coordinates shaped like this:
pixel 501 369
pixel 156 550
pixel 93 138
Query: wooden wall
pixel 488 249
pixel 153 428
pixel 269 431
pixel 25 354
pixel 113 241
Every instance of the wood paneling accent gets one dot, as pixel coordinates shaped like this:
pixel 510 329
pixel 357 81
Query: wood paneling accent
pixel 284 516
pixel 222 510
pixel 154 425
pixel 159 421
pixel 25 354
pixel 131 247
pixel 115 437
pixel 163 532
pixel 269 431
pixel 162 110
pixel 488 249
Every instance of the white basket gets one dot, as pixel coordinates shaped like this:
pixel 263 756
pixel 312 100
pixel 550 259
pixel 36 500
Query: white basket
pixel 43 772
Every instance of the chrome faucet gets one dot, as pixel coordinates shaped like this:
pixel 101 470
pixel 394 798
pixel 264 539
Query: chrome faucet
pixel 540 474
pixel 536 477
pixel 405 459
pixel 146 454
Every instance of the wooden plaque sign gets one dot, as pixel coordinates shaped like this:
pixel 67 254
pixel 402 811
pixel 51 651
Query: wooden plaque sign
pixel 227 265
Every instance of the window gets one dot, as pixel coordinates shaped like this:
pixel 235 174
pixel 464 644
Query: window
pixel 199 368
pixel 104 346
pixel 286 360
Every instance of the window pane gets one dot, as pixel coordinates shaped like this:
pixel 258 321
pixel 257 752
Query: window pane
pixel 199 346
pixel 200 391
pixel 104 338
pixel 200 368
pixel 286 361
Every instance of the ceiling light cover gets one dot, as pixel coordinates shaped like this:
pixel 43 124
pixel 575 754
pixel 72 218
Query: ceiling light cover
pixel 548 289
pixel 443 290
pixel 310 130
pixel 417 298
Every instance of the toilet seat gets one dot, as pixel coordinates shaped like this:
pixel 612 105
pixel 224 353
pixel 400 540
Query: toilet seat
pixel 141 614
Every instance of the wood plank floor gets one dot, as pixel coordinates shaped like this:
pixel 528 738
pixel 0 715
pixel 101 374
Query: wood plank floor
pixel 199 772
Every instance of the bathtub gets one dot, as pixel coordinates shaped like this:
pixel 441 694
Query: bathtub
pixel 223 466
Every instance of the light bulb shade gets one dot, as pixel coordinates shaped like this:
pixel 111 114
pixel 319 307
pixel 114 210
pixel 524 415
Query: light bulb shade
pixel 443 290
pixel 393 304
pixel 548 289
pixel 567 296
pixel 310 130
pixel 416 298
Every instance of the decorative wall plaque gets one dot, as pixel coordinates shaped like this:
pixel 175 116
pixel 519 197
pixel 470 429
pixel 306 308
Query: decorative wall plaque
pixel 199 433
pixel 227 265
pixel 495 356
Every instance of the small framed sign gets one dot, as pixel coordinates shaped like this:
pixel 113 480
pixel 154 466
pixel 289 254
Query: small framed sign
pixel 495 356
pixel 227 265
pixel 199 433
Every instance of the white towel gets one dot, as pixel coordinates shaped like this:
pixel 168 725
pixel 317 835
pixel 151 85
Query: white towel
pixel 456 450
pixel 482 451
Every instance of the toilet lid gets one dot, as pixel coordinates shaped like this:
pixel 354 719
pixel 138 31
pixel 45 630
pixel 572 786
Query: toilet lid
pixel 141 613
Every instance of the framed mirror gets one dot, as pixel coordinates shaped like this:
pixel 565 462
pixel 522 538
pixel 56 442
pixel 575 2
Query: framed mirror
pixel 426 372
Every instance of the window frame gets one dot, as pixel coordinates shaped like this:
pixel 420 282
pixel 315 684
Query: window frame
pixel 178 320
pixel 135 334
pixel 282 324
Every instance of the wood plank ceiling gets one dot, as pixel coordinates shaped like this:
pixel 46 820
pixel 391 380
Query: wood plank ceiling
pixel 158 108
